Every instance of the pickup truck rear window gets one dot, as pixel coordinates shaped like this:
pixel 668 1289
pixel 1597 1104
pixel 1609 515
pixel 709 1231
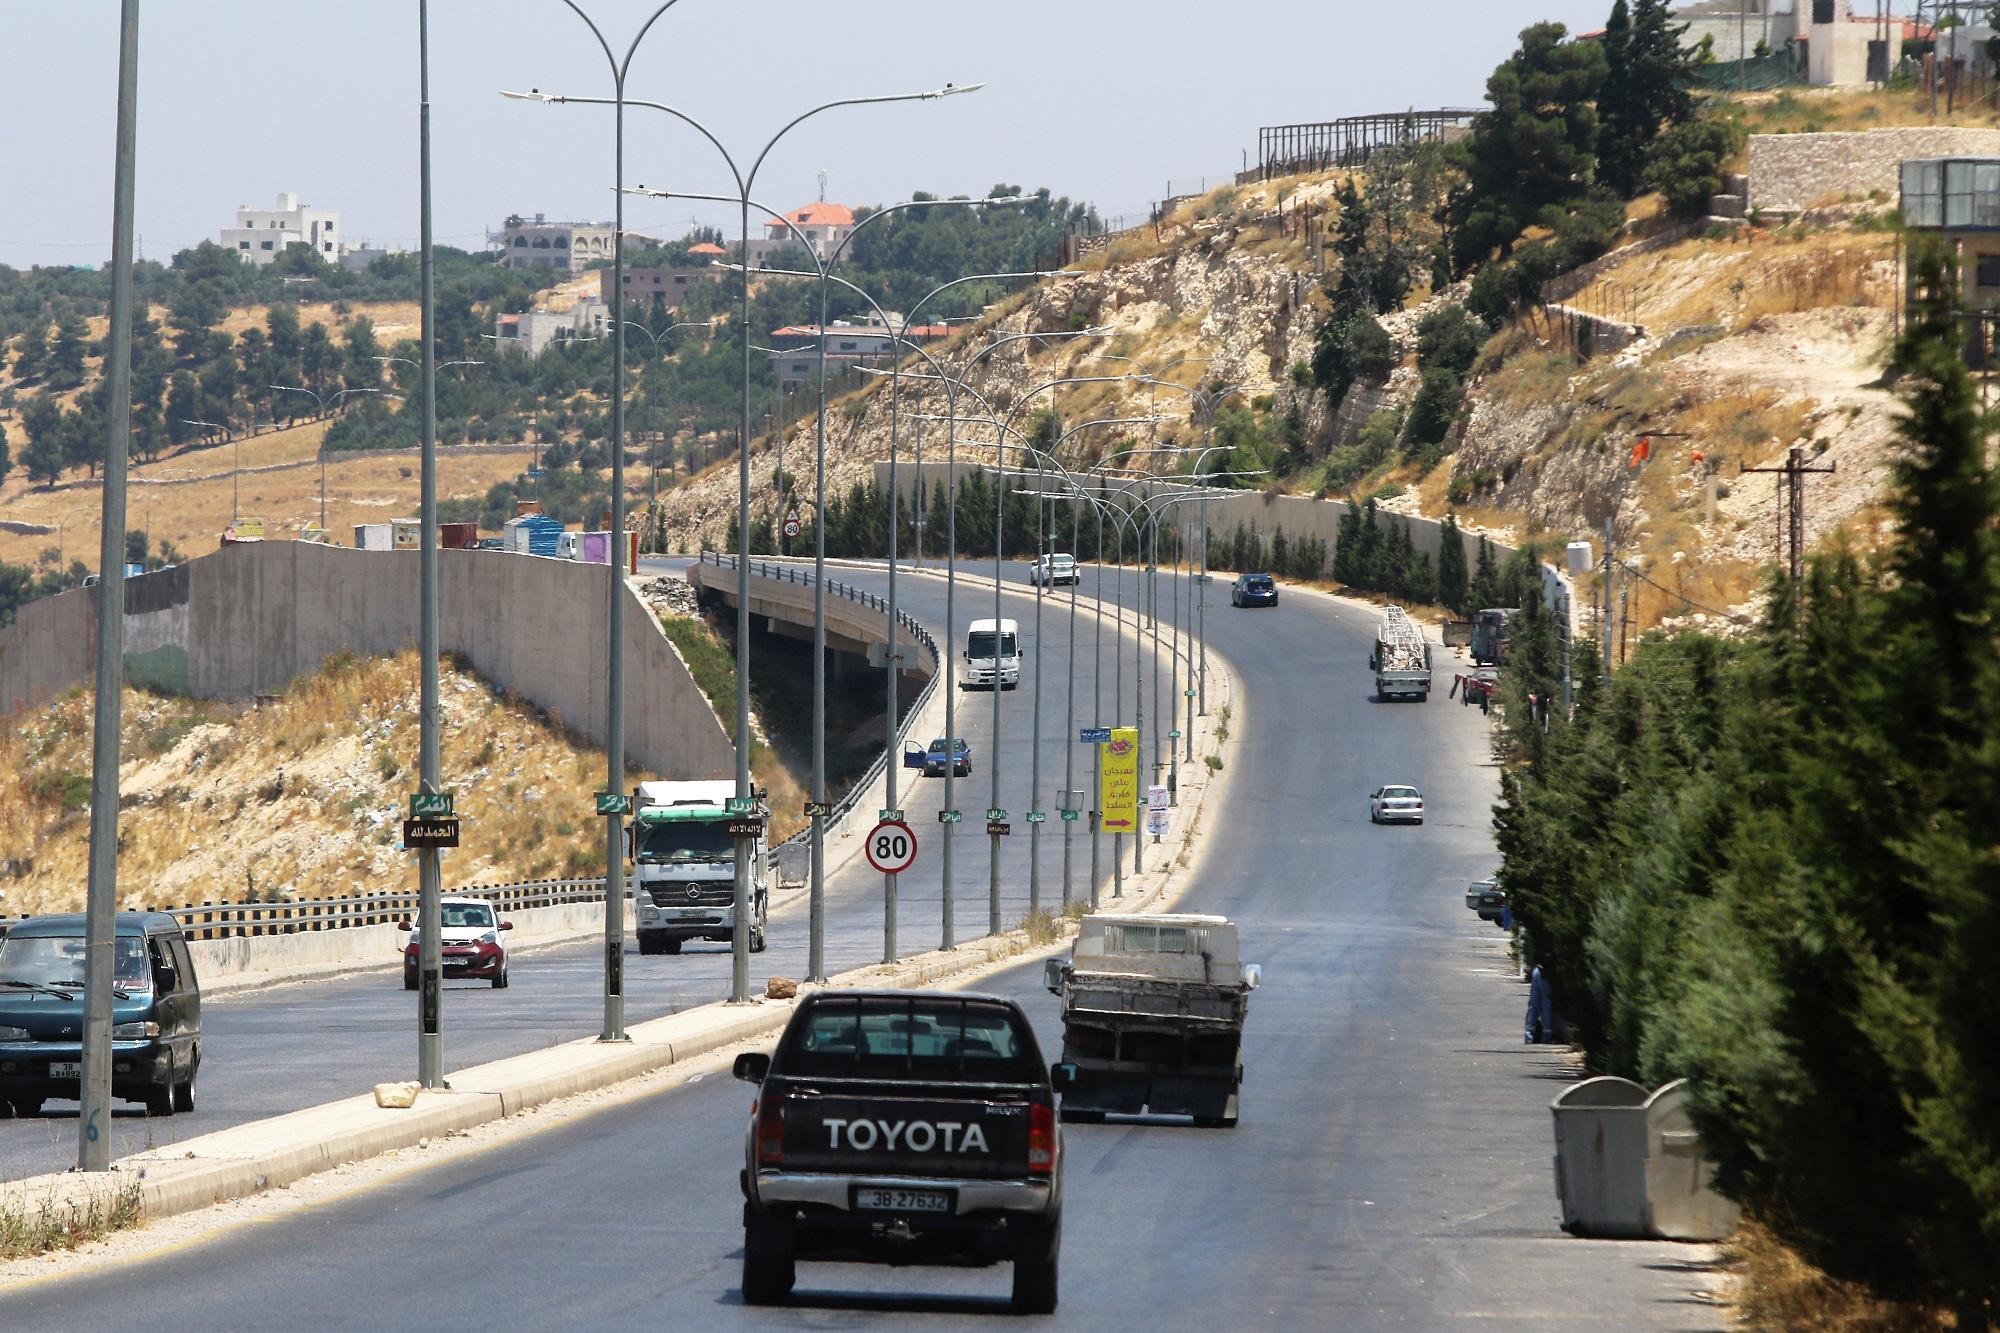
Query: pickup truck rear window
pixel 919 1038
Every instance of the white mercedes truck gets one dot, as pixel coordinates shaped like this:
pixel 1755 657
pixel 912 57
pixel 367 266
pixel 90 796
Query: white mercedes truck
pixel 684 865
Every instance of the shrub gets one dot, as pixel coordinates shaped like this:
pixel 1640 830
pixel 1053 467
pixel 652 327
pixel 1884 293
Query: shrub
pixel 1685 163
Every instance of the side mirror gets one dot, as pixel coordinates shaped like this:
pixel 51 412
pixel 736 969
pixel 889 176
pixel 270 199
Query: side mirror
pixel 406 924
pixel 1063 1076
pixel 1253 975
pixel 753 1066
pixel 1055 972
pixel 506 925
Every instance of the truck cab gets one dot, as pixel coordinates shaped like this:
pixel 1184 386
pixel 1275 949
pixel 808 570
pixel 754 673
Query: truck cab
pixel 684 866
pixel 1153 1008
pixel 993 654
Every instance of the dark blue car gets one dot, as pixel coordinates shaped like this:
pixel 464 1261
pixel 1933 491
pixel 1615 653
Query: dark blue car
pixel 931 759
pixel 155 1013
pixel 1253 590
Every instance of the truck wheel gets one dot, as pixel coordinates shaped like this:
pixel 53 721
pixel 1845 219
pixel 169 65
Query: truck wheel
pixel 160 1101
pixel 767 1281
pixel 1079 1116
pixel 409 980
pixel 1035 1282
pixel 672 944
pixel 184 1094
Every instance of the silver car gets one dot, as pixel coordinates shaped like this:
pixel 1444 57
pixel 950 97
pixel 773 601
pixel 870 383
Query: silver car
pixel 1390 804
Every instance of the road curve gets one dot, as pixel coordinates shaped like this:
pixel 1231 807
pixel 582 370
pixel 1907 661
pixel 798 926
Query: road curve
pixel 1391 1170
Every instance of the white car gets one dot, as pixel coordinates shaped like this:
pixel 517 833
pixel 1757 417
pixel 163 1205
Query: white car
pixel 473 938
pixel 1388 804
pixel 1050 570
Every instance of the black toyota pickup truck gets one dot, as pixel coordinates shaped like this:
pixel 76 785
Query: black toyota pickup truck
pixel 903 1127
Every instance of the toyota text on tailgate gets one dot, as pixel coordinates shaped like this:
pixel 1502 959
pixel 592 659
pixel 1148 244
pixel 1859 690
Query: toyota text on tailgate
pixel 903 1127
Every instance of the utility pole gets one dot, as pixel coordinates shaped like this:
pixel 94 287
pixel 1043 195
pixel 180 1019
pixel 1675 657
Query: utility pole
pixel 1609 566
pixel 93 1148
pixel 430 940
pixel 1792 508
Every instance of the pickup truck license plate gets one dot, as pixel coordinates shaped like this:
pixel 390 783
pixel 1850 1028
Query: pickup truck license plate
pixel 903 1201
pixel 65 1069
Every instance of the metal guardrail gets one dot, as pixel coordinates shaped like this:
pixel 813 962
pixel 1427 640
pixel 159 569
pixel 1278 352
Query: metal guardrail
pixel 798 575
pixel 215 921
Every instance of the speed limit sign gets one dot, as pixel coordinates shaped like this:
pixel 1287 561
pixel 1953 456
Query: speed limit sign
pixel 892 848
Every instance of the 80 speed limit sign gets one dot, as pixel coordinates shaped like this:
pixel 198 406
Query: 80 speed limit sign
pixel 892 848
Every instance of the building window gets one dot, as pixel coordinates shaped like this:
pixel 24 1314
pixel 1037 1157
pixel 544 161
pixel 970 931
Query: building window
pixel 243 245
pixel 520 242
pixel 329 247
pixel 267 245
pixel 1989 271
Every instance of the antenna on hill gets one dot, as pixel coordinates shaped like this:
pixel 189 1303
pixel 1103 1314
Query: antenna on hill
pixel 822 186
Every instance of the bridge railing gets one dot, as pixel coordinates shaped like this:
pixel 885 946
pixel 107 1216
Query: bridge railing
pixel 908 624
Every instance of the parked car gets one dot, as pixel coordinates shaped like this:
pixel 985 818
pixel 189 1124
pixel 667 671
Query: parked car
pixel 1253 590
pixel 490 544
pixel 931 759
pixel 1473 890
pixel 155 1013
pixel 1391 804
pixel 1051 570
pixel 903 1127
pixel 473 939
pixel 1492 903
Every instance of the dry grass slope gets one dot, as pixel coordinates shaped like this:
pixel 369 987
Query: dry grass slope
pixel 299 797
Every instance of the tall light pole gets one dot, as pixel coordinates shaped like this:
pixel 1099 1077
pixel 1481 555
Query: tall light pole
pixel 613 1028
pixel 745 183
pixel 94 1091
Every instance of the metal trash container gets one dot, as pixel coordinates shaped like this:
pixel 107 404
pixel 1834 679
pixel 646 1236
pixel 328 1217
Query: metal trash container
pixel 1681 1200
pixel 794 863
pixel 1600 1162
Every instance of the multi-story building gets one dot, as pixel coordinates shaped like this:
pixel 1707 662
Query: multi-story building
pixel 795 354
pixel 261 234
pixel 570 247
pixel 531 332
pixel 825 225
pixel 661 287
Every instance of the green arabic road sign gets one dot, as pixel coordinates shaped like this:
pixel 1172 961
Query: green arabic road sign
pixel 430 804
pixel 613 803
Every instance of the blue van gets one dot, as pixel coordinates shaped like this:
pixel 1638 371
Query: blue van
pixel 155 1013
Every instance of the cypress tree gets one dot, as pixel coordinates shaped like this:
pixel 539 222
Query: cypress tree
pixel 1451 576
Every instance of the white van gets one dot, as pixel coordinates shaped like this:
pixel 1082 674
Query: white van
pixel 993 653
pixel 569 546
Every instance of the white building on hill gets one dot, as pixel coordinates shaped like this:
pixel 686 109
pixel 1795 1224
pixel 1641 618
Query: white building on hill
pixel 261 234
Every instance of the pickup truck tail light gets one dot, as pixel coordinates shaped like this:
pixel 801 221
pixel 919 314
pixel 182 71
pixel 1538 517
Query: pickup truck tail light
pixel 1041 1140
pixel 771 1131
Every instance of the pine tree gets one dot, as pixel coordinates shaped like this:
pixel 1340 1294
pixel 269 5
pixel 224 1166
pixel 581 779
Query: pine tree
pixel 42 419
pixel 6 454
pixel 1645 89
pixel 1486 591
pixel 1347 547
pixel 1451 576
pixel 66 352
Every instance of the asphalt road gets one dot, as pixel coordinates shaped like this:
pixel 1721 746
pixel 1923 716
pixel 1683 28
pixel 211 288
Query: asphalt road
pixel 1391 1169
pixel 272 1051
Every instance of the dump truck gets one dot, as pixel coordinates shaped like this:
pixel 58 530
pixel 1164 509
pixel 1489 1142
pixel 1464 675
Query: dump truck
pixel 684 865
pixel 1490 635
pixel 1153 1009
pixel 1401 658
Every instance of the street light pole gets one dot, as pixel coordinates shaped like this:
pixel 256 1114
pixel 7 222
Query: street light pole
pixel 430 948
pixel 100 919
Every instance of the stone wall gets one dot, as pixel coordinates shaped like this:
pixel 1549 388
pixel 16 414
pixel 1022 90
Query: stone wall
pixel 1793 172
pixel 249 618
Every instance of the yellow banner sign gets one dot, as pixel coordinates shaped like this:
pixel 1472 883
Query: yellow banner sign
pixel 1118 787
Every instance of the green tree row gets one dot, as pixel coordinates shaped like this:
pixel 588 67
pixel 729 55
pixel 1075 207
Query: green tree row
pixel 1769 865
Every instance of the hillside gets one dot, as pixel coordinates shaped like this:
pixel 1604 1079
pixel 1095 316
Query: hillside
pixel 1751 340
pixel 300 796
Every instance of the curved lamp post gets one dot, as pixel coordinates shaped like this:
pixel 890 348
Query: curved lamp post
pixel 745 182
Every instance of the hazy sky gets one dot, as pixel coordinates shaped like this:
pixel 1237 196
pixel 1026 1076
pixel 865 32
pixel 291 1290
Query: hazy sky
pixel 1101 100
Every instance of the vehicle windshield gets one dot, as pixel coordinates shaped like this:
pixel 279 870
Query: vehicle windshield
pixel 697 840
pixel 57 960
pixel 980 644
pixel 466 916
pixel 923 1037
pixel 940 742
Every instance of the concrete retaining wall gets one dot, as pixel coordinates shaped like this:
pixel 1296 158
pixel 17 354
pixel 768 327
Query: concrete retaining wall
pixel 1793 172
pixel 252 617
